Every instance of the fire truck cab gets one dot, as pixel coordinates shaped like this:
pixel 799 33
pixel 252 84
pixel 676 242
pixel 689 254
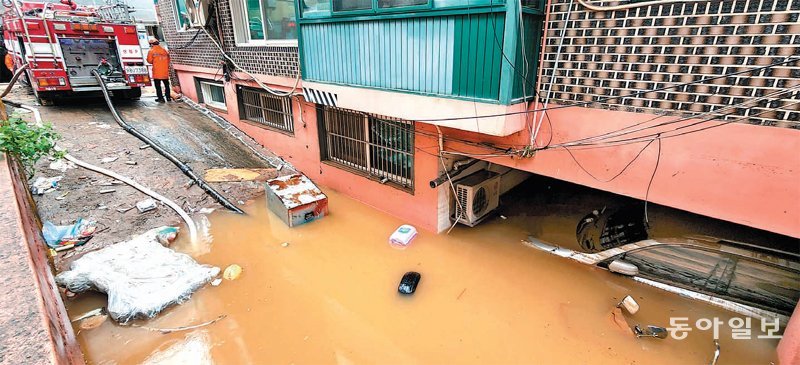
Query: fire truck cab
pixel 62 43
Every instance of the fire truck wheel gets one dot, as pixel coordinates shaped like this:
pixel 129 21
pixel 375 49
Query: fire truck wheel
pixel 132 94
pixel 43 98
pixel 135 93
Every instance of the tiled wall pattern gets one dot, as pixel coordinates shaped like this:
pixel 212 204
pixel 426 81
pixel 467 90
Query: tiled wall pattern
pixel 276 61
pixel 621 52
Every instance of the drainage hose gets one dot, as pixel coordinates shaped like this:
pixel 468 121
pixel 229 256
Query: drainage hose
pixel 13 80
pixel 184 167
pixel 189 222
pixel 144 189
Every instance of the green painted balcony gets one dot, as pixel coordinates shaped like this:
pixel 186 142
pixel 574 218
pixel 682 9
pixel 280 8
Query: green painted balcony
pixel 485 51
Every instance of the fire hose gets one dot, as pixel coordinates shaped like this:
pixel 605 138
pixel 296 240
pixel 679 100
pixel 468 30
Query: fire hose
pixel 11 83
pixel 186 218
pixel 181 165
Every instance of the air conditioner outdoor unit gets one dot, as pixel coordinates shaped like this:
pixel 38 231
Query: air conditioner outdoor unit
pixel 198 12
pixel 477 195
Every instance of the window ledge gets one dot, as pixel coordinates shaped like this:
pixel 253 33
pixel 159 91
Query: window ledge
pixel 216 108
pixel 374 178
pixel 272 43
pixel 267 127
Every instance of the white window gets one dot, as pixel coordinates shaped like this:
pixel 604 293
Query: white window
pixel 264 22
pixel 213 95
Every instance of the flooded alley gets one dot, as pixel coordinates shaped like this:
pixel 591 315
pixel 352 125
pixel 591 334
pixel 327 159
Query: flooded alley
pixel 326 292
pixel 432 182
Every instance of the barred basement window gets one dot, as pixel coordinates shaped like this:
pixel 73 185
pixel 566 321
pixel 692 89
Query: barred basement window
pixel 265 109
pixel 213 94
pixel 372 146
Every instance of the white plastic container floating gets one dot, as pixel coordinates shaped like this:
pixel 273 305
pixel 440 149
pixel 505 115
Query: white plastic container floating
pixel 403 235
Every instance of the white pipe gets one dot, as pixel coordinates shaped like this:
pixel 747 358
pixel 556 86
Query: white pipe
pixel 189 222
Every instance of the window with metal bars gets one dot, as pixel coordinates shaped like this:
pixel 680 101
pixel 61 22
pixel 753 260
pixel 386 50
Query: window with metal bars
pixel 377 147
pixel 263 108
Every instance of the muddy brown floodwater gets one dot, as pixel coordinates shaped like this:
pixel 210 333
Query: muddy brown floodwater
pixel 330 297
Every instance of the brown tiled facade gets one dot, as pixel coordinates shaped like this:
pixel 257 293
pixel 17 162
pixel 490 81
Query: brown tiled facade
pixel 200 51
pixel 617 53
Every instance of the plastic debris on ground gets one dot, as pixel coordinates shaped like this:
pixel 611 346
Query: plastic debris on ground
pixel 403 235
pixel 72 235
pixel 45 184
pixel 146 205
pixel 167 235
pixel 62 165
pixel 141 277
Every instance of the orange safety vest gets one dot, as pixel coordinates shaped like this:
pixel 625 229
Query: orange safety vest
pixel 159 58
pixel 9 62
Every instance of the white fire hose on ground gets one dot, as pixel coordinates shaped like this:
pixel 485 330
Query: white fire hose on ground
pixel 186 218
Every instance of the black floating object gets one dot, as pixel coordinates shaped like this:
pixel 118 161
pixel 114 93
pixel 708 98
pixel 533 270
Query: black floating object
pixel 409 282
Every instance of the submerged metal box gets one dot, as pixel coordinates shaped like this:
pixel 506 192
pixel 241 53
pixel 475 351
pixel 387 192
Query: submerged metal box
pixel 295 199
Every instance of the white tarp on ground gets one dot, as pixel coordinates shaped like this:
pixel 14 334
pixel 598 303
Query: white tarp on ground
pixel 140 276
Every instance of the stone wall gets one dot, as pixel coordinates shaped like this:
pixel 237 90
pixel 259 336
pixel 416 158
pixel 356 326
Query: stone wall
pixel 188 48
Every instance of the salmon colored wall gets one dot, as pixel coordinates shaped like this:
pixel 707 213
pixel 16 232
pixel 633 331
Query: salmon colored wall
pixel 302 151
pixel 737 172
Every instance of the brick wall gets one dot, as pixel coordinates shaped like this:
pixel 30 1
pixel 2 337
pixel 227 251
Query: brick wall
pixel 621 52
pixel 275 61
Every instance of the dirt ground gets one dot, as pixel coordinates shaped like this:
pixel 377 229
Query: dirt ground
pixel 89 133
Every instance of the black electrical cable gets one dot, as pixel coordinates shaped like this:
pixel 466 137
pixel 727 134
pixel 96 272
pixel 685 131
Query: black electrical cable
pixel 181 165
pixel 647 137
pixel 608 135
pixel 211 10
pixel 603 99
pixel 615 176
pixel 536 94
pixel 650 183
pixel 662 136
pixel 188 43
pixel 512 146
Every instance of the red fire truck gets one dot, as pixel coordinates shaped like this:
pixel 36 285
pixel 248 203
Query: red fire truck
pixel 62 43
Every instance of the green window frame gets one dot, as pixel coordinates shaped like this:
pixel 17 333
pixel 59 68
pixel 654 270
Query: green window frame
pixel 319 10
pixel 181 15
pixel 376 7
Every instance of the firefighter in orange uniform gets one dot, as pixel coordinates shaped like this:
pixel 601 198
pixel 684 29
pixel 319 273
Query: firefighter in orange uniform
pixel 9 62
pixel 159 58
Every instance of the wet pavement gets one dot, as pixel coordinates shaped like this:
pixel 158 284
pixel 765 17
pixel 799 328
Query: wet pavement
pixel 90 133
pixel 326 292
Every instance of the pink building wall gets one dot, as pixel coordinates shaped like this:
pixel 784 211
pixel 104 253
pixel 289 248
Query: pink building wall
pixel 737 172
pixel 302 151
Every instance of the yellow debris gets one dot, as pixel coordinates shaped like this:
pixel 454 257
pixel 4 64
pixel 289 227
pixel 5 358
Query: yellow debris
pixel 232 272
pixel 232 175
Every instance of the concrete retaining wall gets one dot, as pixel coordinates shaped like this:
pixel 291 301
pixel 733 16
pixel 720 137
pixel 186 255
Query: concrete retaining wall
pixel 33 321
